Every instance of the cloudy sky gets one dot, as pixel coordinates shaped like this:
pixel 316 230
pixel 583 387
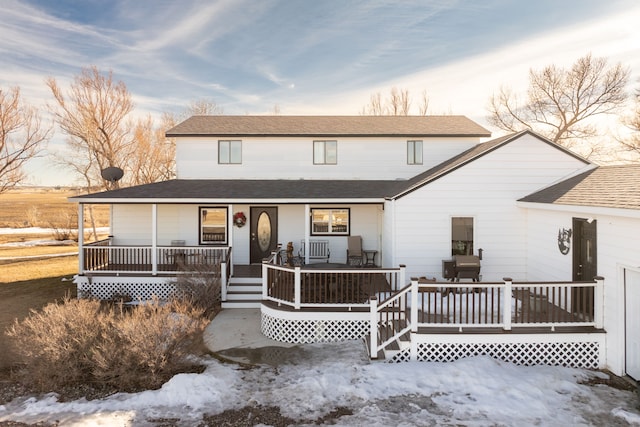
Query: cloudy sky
pixel 306 57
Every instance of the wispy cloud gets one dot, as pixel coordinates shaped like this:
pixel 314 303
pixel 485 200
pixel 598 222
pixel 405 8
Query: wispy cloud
pixel 324 57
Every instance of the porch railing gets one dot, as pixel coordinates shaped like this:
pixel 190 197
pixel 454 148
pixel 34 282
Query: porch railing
pixel 426 304
pixel 102 257
pixel 301 287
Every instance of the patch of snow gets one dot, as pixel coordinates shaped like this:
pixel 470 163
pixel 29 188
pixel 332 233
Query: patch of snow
pixel 472 391
pixel 40 230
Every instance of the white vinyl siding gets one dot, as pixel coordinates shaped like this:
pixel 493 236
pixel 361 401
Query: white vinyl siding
pixel 487 190
pixel 616 249
pixel 290 158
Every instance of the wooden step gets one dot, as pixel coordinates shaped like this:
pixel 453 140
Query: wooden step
pixel 252 303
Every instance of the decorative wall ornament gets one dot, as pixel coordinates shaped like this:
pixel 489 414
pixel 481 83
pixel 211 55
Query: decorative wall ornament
pixel 239 219
pixel 564 240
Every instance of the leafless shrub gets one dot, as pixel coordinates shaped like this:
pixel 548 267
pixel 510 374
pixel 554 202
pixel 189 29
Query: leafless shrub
pixel 64 228
pixel 88 342
pixel 32 216
pixel 200 286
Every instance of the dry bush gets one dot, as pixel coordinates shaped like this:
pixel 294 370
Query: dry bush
pixel 200 287
pixel 32 216
pixel 65 226
pixel 87 342
pixel 56 344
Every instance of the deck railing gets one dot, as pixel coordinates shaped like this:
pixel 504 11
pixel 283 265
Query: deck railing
pixel 506 304
pixel 430 304
pixel 301 287
pixel 102 257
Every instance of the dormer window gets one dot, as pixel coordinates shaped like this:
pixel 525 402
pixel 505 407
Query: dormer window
pixel 414 152
pixel 325 152
pixel 230 152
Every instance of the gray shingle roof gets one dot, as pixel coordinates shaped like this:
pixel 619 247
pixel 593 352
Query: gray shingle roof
pixel 328 126
pixel 605 186
pixel 252 189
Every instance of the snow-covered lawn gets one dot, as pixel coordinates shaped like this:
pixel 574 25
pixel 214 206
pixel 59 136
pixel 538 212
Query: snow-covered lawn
pixel 318 378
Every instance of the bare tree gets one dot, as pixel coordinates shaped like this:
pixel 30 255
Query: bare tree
pixel 22 136
pixel 423 108
pixel 153 159
pixel 205 106
pixel 398 103
pixel 94 116
pixel 632 122
pixel 562 103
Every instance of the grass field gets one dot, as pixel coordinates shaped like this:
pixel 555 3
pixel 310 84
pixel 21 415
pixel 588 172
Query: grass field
pixel 43 207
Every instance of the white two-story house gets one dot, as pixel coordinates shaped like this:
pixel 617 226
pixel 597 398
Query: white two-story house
pixel 414 191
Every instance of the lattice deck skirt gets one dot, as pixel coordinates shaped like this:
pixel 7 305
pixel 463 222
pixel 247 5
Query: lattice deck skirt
pixel 309 327
pixel 138 288
pixel 577 350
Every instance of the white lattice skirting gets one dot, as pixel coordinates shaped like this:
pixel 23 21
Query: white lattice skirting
pixel 570 350
pixel 309 327
pixel 138 288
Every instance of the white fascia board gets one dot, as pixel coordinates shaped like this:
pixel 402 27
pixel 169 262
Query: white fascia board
pixel 225 201
pixel 587 210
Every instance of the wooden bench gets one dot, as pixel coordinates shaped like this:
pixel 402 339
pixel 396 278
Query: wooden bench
pixel 318 249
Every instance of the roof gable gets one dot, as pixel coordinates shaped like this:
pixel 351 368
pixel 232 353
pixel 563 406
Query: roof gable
pixel 469 156
pixel 328 126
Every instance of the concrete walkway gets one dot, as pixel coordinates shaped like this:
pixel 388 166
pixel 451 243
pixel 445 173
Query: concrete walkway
pixel 235 328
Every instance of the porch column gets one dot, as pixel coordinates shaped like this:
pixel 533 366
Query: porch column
pixel 154 239
pixel 80 238
pixel 307 232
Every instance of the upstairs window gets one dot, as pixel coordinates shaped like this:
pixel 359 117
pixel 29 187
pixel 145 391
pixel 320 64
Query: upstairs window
pixel 230 152
pixel 325 152
pixel 330 221
pixel 462 236
pixel 213 225
pixel 414 152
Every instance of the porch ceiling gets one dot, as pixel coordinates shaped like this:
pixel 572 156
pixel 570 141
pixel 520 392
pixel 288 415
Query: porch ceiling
pixel 186 190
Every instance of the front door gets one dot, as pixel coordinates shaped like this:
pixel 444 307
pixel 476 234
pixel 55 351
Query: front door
pixel 585 261
pixel 632 323
pixel 585 265
pixel 264 232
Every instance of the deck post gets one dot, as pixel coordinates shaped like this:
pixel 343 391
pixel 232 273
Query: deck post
pixel 373 332
pixel 413 350
pixel 223 280
pixel 506 303
pixel 402 278
pixel 265 279
pixel 414 304
pixel 598 302
pixel 296 288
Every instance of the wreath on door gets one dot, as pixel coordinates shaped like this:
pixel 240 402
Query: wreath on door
pixel 239 219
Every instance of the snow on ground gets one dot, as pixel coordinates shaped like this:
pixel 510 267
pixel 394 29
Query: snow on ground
pixel 476 391
pixel 39 231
